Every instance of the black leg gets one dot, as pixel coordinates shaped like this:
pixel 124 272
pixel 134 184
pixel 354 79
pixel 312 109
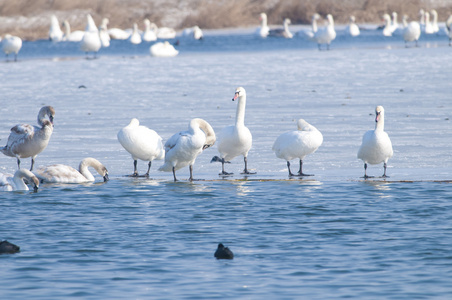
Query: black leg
pixel 384 174
pixel 32 163
pixel 300 171
pixel 288 167
pixel 223 172
pixel 365 171
pixel 149 168
pixel 174 174
pixel 135 172
pixel 190 167
pixel 18 163
pixel 246 167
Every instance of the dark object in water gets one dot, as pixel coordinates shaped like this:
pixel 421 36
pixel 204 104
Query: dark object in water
pixel 223 252
pixel 82 87
pixel 7 247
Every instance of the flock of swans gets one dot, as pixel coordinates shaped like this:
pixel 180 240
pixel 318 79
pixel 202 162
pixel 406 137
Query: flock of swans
pixel 180 150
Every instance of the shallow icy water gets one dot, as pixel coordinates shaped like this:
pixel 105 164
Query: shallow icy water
pixel 328 236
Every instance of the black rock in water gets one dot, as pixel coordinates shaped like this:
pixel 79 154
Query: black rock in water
pixel 7 247
pixel 223 252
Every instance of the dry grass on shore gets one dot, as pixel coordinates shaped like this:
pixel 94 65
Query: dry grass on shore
pixel 30 19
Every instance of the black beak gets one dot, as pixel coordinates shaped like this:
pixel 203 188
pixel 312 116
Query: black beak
pixel 35 189
pixel 106 177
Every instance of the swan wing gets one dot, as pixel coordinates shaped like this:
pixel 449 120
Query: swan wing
pixel 60 174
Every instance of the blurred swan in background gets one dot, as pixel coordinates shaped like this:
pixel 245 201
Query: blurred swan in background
pixel 263 31
pixel 9 182
pixel 11 44
pixel 103 33
pixel 352 29
pixel 394 23
pixel 282 32
pixel 449 29
pixel 91 39
pixel 428 29
pixel 326 34
pixel 149 34
pixel 71 36
pixel 309 33
pixel 135 37
pixel 60 173
pixel 411 31
pixel 117 33
pixel 165 33
pixel 387 30
pixel 163 49
pixel 435 26
pixel 55 33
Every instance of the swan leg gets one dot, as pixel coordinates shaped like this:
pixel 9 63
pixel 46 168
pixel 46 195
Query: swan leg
pixel 190 167
pixel 223 172
pixel 384 174
pixel 288 167
pixel 149 168
pixel 135 171
pixel 32 162
pixel 18 162
pixel 174 174
pixel 15 57
pixel 245 171
pixel 365 171
pixel 300 171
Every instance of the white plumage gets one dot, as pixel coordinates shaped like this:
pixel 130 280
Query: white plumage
pixel 164 49
pixel 352 29
pixel 282 32
pixel 149 34
pixel 142 143
pixel 16 182
pixel 411 31
pixel 326 34
pixel 11 44
pixel 264 29
pixel 71 36
pixel 135 37
pixel 55 33
pixel 297 144
pixel 91 40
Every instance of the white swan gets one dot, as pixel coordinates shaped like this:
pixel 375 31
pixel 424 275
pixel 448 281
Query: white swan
pixel 411 31
pixel 163 49
pixel 449 29
pixel 27 140
pixel 352 29
pixel 297 144
pixel 387 30
pixel 394 24
pixel 16 182
pixel 149 34
pixel 118 34
pixel 309 33
pixel 236 139
pixel 91 40
pixel 183 147
pixel 74 36
pixel 435 26
pixel 376 146
pixel 282 32
pixel 197 33
pixel 428 25
pixel 65 174
pixel 326 34
pixel 11 44
pixel 142 143
pixel 103 33
pixel 135 37
pixel 165 33
pixel 264 30
pixel 55 33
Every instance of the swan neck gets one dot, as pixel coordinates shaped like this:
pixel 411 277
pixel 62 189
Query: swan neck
pixel 83 169
pixel 314 25
pixel 240 113
pixel 380 124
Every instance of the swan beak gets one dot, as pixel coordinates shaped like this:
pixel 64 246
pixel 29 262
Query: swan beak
pixel 377 117
pixel 35 189
pixel 106 177
pixel 51 119
pixel 236 95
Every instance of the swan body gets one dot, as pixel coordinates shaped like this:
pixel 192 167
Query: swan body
pixel 236 139
pixel 142 143
pixel 166 33
pixel 311 32
pixel 74 36
pixel 326 34
pixel 135 37
pixel 183 148
pixel 55 33
pixel 264 30
pixel 103 33
pixel 27 140
pixel 149 34
pixel 118 34
pixel 16 182
pixel 411 31
pixel 387 30
pixel 282 32
pixel 91 40
pixel 65 174
pixel 435 26
pixel 297 144
pixel 163 49
pixel 352 29
pixel 376 147
pixel 11 44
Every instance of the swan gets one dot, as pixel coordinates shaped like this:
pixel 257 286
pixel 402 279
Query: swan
pixel 11 44
pixel 55 33
pixel 149 34
pixel 297 144
pixel 394 23
pixel 197 33
pixel 282 32
pixel 183 147
pixel 16 182
pixel 309 33
pixel 142 143
pixel 327 34
pixel 165 33
pixel 428 25
pixel 163 49
pixel 91 40
pixel 376 146
pixel 27 140
pixel 65 174
pixel 387 30
pixel 74 36
pixel 264 30
pixel 236 139
pixel 103 33
pixel 118 34
pixel 135 37
pixel 352 29
pixel 411 31
pixel 434 14
pixel 449 29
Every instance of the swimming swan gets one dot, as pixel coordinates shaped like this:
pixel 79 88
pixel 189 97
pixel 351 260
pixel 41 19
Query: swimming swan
pixel 387 30
pixel 352 29
pixel 135 37
pixel 149 34
pixel 235 139
pixel 142 143
pixel 103 33
pixel 183 147
pixel 263 31
pixel 376 146
pixel 27 140
pixel 65 174
pixel 297 144
pixel 9 182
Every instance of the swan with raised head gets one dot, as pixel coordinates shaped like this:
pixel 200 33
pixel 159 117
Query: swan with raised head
pixel 387 29
pixel 282 32
pixel 411 31
pixel 264 30
pixel 71 36
pixel 135 37
pixel 142 143
pixel 435 26
pixel 428 29
pixel 297 144
pixel 60 173
pixel 91 40
pixel 183 148
pixel 103 33
pixel 163 49
pixel 9 182
pixel 55 33
pixel 149 34
pixel 352 29
pixel 28 141
pixel 394 23
pixel 11 44
pixel 309 33
pixel 235 140
pixel 376 147
pixel 326 34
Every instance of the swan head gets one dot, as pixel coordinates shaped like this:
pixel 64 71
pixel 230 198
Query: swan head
pixel 239 92
pixel 352 19
pixel 147 22
pixel 379 113
pixel 315 16
pixel 263 16
pixel 46 111
pixel 287 21
pixel 134 122
pixel 35 181
pixel 386 17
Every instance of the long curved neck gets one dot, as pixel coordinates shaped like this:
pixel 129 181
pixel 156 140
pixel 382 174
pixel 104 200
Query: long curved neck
pixel 286 26
pixel 83 169
pixel 19 182
pixel 67 29
pixel 314 24
pixel 240 113
pixel 264 21
pixel 380 124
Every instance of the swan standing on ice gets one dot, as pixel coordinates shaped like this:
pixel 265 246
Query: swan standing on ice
pixel 65 174
pixel 236 139
pixel 164 49
pixel 142 143
pixel 91 40
pixel 9 182
pixel 183 147
pixel 11 44
pixel 103 33
pixel 327 34
pixel 297 144
pixel 282 32
pixel 376 146
pixel 74 36
pixel 352 29
pixel 387 30
pixel 149 34
pixel 263 31
pixel 27 140
pixel 55 33
pixel 135 37
pixel 411 31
